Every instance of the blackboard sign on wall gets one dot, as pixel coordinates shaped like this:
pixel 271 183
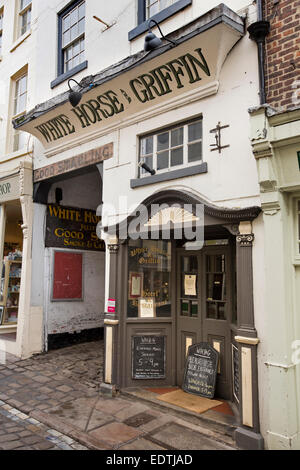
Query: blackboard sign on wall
pixel 149 357
pixel 201 370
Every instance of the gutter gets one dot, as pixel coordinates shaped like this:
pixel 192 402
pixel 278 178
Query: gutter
pixel 258 32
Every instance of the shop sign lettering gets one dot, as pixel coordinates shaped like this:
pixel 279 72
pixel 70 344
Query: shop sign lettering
pixel 147 87
pixel 70 164
pixel 68 227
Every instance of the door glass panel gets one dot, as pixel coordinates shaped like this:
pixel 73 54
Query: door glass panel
pixel 215 287
pixel 189 286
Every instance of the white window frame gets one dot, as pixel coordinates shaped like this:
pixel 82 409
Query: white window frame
pixel 21 13
pixel 185 145
pixel 16 133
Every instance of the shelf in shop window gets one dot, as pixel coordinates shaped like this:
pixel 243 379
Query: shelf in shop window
pixel 8 328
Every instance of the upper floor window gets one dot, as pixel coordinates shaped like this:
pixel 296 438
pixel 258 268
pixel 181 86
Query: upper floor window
pixel 159 10
pixel 1 29
pixel 72 27
pixel 24 16
pixel 172 148
pixel 154 6
pixel 19 108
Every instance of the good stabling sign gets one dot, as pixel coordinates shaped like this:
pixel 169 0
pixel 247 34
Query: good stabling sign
pixel 148 357
pixel 67 227
pixel 201 370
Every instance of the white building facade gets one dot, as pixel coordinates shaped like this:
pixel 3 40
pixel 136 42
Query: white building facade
pixel 180 110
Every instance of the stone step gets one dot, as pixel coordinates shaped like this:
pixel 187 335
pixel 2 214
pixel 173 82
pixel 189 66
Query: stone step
pixel 222 425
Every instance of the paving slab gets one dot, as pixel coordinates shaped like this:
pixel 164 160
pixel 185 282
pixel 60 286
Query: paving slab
pixel 115 434
pixel 141 444
pixel 175 436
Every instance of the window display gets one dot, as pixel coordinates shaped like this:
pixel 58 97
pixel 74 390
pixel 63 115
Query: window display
pixel 149 271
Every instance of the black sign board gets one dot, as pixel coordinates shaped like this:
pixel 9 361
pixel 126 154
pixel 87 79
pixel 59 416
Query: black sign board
pixel 68 227
pixel 148 357
pixel 201 370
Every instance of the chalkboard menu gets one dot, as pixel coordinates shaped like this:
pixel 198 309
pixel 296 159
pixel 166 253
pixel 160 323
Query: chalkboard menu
pixel 201 370
pixel 148 357
pixel 236 372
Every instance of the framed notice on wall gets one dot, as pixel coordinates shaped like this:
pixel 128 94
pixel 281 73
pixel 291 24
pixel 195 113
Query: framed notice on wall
pixel 67 276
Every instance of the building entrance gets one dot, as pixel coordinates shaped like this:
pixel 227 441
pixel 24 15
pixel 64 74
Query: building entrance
pixel 204 308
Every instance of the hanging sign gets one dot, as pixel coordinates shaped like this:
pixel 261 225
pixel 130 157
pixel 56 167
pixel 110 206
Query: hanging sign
pixel 201 370
pixel 67 227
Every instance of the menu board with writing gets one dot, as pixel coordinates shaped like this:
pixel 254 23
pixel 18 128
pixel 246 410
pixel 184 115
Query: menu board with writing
pixel 201 370
pixel 148 357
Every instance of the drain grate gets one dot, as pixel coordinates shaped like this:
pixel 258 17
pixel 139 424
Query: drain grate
pixel 139 419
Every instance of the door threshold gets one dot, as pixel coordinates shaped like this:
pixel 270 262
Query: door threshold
pixel 222 417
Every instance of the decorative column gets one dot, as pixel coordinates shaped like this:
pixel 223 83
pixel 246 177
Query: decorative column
pixel 111 323
pixel 247 434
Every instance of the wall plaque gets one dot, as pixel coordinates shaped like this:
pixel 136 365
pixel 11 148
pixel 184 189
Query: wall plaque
pixel 201 370
pixel 148 357
pixel 68 227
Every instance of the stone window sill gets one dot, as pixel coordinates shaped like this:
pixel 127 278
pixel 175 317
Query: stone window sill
pixel 20 40
pixel 159 17
pixel 65 76
pixel 170 175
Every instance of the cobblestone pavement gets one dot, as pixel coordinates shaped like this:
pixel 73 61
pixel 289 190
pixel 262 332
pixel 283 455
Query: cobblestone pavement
pixel 20 432
pixel 52 401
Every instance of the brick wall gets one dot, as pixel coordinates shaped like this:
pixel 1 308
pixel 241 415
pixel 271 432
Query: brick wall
pixel 283 54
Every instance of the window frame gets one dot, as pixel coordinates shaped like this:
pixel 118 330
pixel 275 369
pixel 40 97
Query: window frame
pixel 21 12
pixel 23 73
pixel 142 22
pixel 62 75
pixel 185 145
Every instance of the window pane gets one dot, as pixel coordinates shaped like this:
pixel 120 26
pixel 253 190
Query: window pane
pixel 147 145
pixel 74 16
pixel 66 22
pixel 195 152
pixel 149 277
pixel 177 137
pixel 76 61
pixel 149 161
pixel 195 131
pixel 66 38
pixel 81 10
pixel 162 160
pixel 81 26
pixel 74 32
pixel 177 157
pixel 163 141
pixel 76 48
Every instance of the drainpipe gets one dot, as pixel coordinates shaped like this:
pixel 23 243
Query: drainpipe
pixel 258 32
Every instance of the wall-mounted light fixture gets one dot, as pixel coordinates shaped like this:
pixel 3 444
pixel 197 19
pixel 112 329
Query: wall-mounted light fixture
pixel 152 41
pixel 146 168
pixel 74 96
